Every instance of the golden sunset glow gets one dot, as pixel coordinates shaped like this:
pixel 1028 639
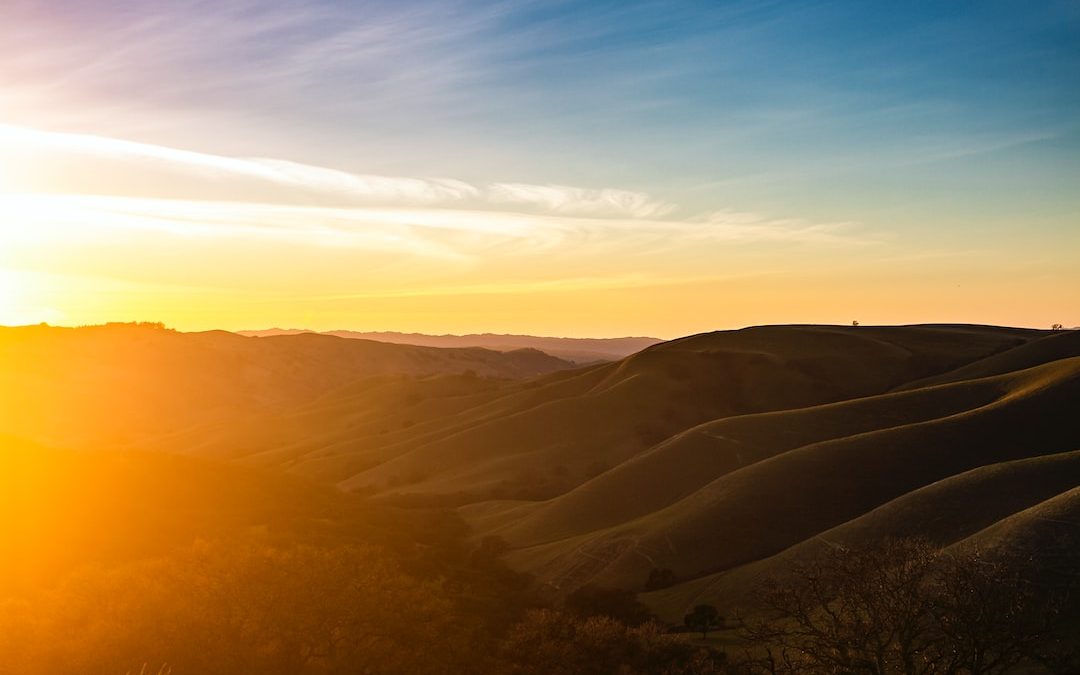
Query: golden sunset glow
pixel 9 301
pixel 123 230
pixel 520 337
pixel 17 302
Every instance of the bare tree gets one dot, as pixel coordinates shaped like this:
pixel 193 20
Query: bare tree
pixel 988 618
pixel 901 607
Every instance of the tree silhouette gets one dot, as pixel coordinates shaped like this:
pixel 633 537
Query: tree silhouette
pixel 660 578
pixel 901 607
pixel 615 603
pixel 704 618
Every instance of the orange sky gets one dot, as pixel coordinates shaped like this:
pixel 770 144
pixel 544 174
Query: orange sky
pixel 204 241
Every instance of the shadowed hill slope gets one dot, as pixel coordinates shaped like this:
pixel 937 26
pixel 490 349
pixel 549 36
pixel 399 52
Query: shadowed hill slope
pixel 1047 534
pixel 758 510
pixel 688 461
pixel 568 428
pixel 958 510
pixel 458 441
pixel 1049 348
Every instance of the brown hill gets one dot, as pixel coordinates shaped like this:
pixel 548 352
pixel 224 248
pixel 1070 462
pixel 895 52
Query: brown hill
pixel 1058 345
pixel 962 510
pixel 692 459
pixel 545 440
pixel 758 510
pixel 122 383
pixel 725 457
pixel 77 509
pixel 461 441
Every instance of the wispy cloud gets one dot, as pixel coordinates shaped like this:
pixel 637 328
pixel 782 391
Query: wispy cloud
pixel 152 216
pixel 326 204
pixel 76 163
pixel 790 97
pixel 276 172
pixel 395 188
pixel 743 226
pixel 580 201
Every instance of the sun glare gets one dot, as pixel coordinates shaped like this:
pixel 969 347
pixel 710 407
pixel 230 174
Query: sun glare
pixel 16 308
pixel 9 300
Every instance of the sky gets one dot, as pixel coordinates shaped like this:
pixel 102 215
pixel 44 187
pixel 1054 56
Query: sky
pixel 585 168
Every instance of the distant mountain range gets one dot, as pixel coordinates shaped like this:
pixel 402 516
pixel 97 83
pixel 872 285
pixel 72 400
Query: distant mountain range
pixel 578 350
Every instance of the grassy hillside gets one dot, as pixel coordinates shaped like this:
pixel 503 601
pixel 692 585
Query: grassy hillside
pixel 961 510
pixel 725 457
pixel 692 459
pixel 1059 345
pixel 542 441
pixel 468 439
pixel 78 508
pixel 461 440
pixel 1045 533
pixel 761 509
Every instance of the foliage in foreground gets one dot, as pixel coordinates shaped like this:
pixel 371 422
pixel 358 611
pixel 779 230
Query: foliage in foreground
pixel 259 605
pixel 226 609
pixel 906 607
pixel 547 642
pixel 255 607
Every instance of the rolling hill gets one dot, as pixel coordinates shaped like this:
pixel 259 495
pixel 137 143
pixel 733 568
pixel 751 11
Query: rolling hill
pixel 778 500
pixel 726 457
pixel 460 440
pixel 553 434
pixel 125 383
pixel 76 509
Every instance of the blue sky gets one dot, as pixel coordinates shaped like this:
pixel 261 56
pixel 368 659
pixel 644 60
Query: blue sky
pixel 941 127
pixel 679 94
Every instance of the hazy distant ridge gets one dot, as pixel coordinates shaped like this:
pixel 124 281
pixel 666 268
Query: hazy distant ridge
pixel 123 382
pixel 578 350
